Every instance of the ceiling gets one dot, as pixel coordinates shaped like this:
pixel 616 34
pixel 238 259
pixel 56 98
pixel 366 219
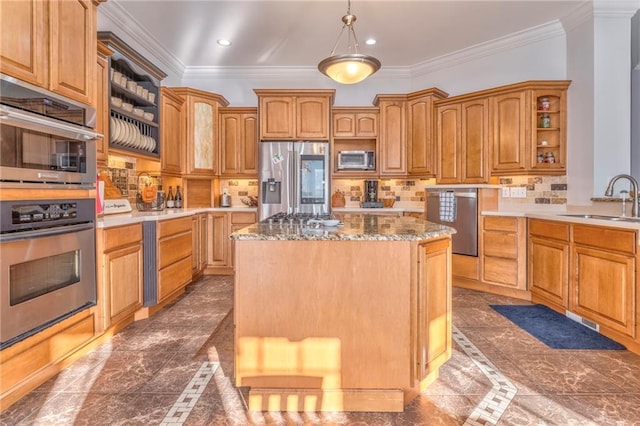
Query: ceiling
pixel 300 33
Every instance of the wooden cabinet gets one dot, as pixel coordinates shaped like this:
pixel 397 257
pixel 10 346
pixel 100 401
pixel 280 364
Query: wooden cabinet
pixel 174 256
pixel 200 120
pixel 603 277
pixel 294 114
pixel 504 248
pixel 238 142
pixel 421 144
pixel 172 135
pixel 548 263
pixel 355 122
pixel 101 102
pixel 120 280
pixel 51 44
pixel 134 90
pixel 199 244
pixel 220 251
pixel 433 313
pixel 462 135
pixel 392 141
pixel 529 123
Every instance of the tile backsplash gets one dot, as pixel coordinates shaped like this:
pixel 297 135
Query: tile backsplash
pixel 409 193
pixel 239 189
pixel 539 190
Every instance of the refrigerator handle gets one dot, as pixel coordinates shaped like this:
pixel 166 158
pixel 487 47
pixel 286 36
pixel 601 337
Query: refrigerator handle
pixel 293 190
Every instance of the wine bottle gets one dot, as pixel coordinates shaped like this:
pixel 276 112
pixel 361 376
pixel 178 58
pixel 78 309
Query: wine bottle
pixel 178 201
pixel 170 199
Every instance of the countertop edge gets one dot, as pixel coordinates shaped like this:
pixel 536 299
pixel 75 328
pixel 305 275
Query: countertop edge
pixel 112 220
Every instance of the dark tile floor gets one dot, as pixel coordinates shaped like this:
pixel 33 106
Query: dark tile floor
pixel 176 368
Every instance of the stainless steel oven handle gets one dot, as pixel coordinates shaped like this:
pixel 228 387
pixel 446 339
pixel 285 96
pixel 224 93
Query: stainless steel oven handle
pixel 18 118
pixel 49 232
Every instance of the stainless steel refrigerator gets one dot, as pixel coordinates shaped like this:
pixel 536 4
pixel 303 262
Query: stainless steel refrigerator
pixel 294 178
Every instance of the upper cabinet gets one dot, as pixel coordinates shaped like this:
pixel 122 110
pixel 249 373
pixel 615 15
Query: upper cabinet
pixel 200 121
pixel 421 145
pixel 392 146
pixel 171 128
pixel 238 142
pixel 351 122
pixel 294 114
pixel 529 128
pixel 51 44
pixel 101 102
pixel 134 89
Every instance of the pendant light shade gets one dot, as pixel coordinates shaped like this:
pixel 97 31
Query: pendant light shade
pixel 351 67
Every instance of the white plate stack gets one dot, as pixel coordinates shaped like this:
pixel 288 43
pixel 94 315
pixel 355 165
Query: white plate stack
pixel 128 135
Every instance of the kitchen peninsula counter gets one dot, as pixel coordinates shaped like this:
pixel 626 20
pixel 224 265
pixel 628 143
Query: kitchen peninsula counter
pixel 351 318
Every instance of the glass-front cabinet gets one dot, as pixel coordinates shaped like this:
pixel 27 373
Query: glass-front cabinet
pixel 134 97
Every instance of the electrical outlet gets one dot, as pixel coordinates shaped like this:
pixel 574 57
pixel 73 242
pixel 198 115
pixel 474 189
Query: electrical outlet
pixel 519 192
pixel 506 193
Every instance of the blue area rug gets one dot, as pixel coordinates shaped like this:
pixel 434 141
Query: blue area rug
pixel 554 329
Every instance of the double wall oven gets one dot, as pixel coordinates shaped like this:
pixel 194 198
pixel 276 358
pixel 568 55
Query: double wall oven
pixel 47 238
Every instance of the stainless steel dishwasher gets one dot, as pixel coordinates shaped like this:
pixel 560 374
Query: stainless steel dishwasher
pixel 457 208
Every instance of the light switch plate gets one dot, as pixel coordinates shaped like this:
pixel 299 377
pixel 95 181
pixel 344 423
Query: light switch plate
pixel 519 192
pixel 506 193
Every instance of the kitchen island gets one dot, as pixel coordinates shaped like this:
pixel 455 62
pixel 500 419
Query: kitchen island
pixel 351 318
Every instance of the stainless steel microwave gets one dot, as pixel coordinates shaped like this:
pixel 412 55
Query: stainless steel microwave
pixel 356 160
pixel 45 138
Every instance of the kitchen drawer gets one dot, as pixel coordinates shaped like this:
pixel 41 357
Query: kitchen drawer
pixel 173 277
pixel 500 270
pixel 500 244
pixel 174 226
pixel 243 217
pixel 171 249
pixel 605 238
pixel 549 229
pixel 121 236
pixel 500 223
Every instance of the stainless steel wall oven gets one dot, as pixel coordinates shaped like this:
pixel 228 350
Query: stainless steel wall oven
pixel 44 138
pixel 47 264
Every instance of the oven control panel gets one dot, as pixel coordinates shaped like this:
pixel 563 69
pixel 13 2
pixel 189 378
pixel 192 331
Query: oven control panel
pixel 43 212
pixel 35 214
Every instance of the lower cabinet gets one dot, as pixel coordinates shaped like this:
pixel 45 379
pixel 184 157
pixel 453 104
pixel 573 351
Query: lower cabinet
pixel 548 263
pixel 590 271
pixel 433 313
pixel 504 251
pixel 199 244
pixel 220 247
pixel 174 253
pixel 119 275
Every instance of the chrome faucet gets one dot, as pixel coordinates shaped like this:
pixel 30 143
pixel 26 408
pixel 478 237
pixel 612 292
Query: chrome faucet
pixel 634 191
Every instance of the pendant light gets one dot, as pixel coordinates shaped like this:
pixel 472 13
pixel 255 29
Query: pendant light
pixel 351 67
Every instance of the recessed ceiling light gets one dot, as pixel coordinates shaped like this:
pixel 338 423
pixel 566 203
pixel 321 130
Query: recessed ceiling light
pixel 370 41
pixel 224 42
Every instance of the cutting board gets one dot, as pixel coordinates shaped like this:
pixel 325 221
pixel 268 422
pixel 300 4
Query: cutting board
pixel 337 199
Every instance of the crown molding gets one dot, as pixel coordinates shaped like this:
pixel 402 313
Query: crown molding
pixel 518 39
pixel 126 24
pixel 275 73
pixel 615 8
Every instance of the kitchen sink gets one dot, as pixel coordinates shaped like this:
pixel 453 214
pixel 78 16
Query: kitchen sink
pixel 605 217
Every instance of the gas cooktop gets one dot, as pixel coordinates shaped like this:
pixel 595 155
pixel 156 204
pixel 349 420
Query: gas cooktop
pixel 296 218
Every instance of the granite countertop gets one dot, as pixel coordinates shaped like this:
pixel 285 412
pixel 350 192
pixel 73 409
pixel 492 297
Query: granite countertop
pixel 354 227
pixel 135 216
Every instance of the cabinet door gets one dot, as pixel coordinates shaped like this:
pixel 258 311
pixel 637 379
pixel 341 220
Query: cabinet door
pixel 344 124
pixel 312 117
pixel 101 103
pixel 249 144
pixel 474 140
pixel 238 144
pixel 448 143
pixel 23 48
pixel 603 288
pixel 218 250
pixel 200 147
pixel 548 271
pixel 277 117
pixel 171 132
pixel 504 251
pixel 202 240
pixel 434 307
pixel 392 141
pixel 510 127
pixel 72 46
pixel 420 142
pixel 195 245
pixel 123 273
